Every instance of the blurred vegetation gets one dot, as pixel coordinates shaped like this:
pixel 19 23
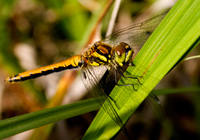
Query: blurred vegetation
pixel 36 33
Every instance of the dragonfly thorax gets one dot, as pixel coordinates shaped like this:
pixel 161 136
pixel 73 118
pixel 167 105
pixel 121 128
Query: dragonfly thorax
pixel 103 54
pixel 99 54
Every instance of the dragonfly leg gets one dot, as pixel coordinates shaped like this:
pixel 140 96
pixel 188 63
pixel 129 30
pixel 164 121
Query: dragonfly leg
pixel 133 85
pixel 131 77
pixel 137 78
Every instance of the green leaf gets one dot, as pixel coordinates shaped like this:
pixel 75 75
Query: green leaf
pixel 175 37
pixel 29 121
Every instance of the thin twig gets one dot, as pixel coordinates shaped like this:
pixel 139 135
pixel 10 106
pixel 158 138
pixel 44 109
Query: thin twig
pixel 113 17
pixel 192 57
pixel 94 30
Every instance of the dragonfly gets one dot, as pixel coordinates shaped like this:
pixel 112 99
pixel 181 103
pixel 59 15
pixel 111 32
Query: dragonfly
pixel 103 63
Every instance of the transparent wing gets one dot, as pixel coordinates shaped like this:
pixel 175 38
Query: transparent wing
pixel 95 80
pixel 135 35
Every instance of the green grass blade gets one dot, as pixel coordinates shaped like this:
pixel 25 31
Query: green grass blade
pixel 168 91
pixel 29 121
pixel 172 40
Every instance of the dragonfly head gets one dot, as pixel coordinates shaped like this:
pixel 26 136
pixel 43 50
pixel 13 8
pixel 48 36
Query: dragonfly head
pixel 123 54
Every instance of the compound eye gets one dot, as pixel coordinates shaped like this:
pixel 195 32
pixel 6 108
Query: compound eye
pixel 120 50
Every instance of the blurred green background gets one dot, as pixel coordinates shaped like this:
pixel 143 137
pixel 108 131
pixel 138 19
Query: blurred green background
pixel 37 33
